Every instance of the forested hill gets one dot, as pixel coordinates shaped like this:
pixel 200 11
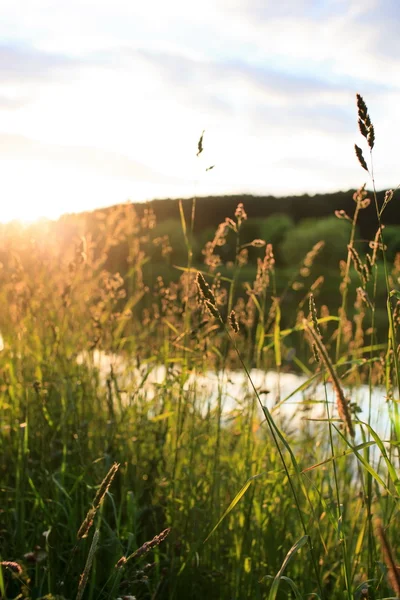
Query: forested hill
pixel 212 210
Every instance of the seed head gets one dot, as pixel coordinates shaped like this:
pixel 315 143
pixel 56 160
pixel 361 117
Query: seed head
pixel 360 157
pixel 204 289
pixel 13 566
pixel 233 322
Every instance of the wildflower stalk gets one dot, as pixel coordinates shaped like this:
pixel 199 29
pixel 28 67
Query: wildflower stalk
pixel 345 283
pixel 277 434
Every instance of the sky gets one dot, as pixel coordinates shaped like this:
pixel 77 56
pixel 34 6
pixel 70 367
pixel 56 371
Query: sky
pixel 103 101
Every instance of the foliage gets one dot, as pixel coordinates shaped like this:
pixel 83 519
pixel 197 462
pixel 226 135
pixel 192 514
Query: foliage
pixel 392 241
pixel 301 239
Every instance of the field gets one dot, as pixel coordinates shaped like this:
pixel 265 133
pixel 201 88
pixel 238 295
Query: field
pixel 133 479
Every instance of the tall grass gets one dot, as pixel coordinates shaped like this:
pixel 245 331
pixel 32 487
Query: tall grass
pixel 105 379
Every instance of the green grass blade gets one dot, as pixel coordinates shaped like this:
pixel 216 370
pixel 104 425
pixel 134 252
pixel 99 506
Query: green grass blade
pixel 232 505
pixel 288 558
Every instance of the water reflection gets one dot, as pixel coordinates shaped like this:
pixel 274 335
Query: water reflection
pixel 289 396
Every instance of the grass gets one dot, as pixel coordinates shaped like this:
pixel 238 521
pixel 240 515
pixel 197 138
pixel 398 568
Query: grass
pixel 119 484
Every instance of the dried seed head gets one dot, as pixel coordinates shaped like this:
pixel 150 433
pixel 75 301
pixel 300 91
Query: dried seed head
pixel 388 557
pixel 231 224
pixel 360 157
pixel 371 136
pixel 317 283
pixel 362 107
pixel 200 144
pixel 362 294
pixel 341 401
pixel 364 122
pixel 147 546
pixel 104 486
pixel 388 196
pixel 204 290
pixel 212 309
pixel 13 566
pixel 341 214
pixel 360 194
pixel 343 407
pixel 121 562
pixel 258 243
pixel 98 499
pixel 363 128
pixel 86 524
pixel 240 213
pixel 234 322
pixel 313 313
pixel 376 244
pixel 359 266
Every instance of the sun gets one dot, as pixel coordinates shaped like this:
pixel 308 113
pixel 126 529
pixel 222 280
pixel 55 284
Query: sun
pixel 33 190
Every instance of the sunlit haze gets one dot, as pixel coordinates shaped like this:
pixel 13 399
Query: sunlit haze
pixel 104 102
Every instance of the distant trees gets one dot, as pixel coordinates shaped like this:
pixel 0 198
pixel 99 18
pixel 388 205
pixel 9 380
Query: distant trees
pixel 298 241
pixel 391 236
pixel 290 241
pixel 169 242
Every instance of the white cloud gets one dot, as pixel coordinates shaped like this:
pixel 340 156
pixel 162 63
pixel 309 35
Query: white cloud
pixel 272 83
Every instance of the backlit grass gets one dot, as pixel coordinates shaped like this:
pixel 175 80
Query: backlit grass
pixel 134 479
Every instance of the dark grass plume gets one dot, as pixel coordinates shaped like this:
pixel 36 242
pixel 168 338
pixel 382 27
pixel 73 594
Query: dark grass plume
pixel 205 291
pixel 341 400
pixel 98 499
pixel 200 145
pixel 13 566
pixel 145 548
pixel 364 122
pixel 233 322
pixel 361 159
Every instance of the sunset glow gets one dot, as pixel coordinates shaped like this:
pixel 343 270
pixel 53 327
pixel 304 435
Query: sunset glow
pixel 104 103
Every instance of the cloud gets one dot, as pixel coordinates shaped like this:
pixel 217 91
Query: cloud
pixel 25 72
pixel 21 63
pixel 12 102
pixel 107 88
pixel 260 95
pixel 109 164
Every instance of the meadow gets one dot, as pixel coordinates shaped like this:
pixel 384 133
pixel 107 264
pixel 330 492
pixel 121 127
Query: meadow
pixel 116 484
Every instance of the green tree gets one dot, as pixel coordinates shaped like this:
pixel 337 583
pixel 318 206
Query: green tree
pixel 170 233
pixel 298 241
pixel 391 236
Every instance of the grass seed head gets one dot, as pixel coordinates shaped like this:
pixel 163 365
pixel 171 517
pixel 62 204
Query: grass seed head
pixel 371 136
pixel 362 107
pixel 145 548
pixel 233 322
pixel 364 122
pixel 98 499
pixel 200 144
pixel 389 559
pixel 341 401
pixel 205 291
pixel 12 566
pixel 104 486
pixel 360 157
pixel 212 309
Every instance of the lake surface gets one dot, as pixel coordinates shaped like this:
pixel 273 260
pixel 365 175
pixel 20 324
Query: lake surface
pixel 286 401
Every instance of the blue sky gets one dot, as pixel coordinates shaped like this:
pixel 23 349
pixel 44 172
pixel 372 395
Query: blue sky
pixel 102 102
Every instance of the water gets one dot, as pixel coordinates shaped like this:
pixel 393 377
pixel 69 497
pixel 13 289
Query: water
pixel 286 395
